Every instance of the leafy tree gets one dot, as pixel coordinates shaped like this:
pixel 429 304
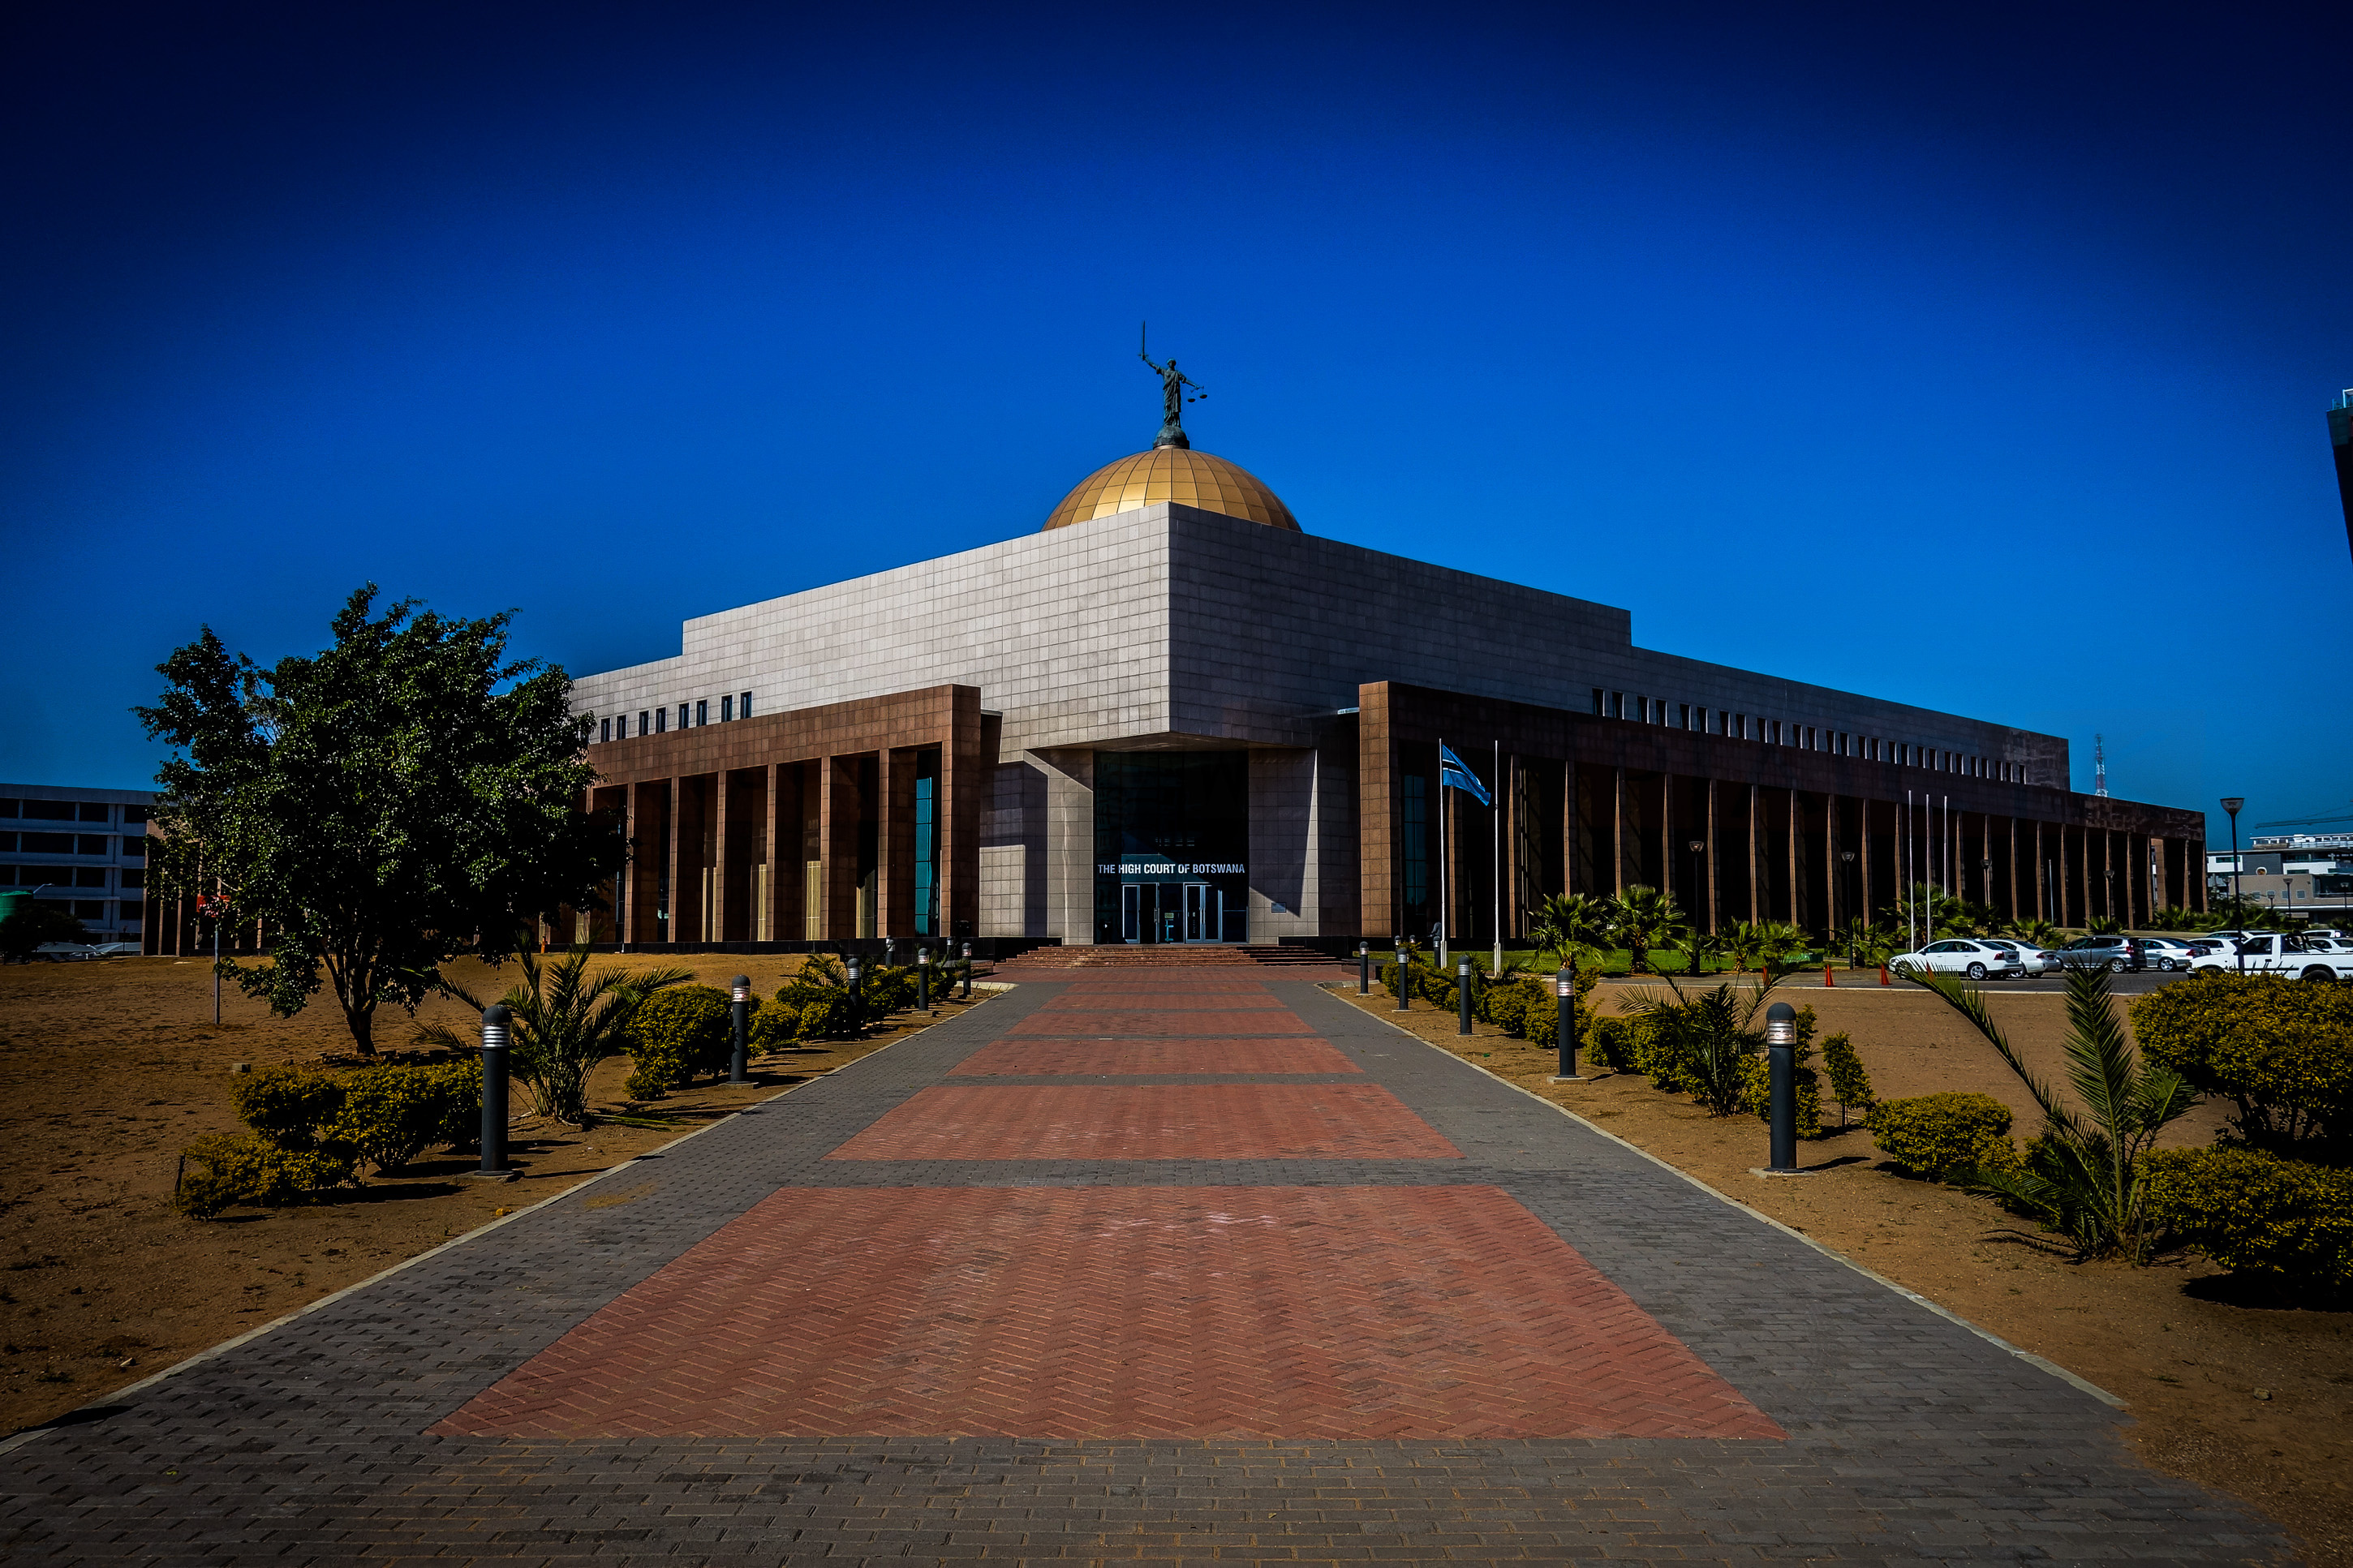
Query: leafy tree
pixel 1779 941
pixel 2083 1176
pixel 382 807
pixel 1643 917
pixel 565 1021
pixel 34 926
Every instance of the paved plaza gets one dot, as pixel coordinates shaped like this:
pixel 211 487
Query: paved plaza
pixel 1135 1265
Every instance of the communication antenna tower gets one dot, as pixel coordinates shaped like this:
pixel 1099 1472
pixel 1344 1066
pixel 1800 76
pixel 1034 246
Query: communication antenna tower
pixel 2099 766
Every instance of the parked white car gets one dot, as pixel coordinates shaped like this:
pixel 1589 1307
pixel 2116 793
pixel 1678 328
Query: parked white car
pixel 2267 952
pixel 1978 960
pixel 2037 959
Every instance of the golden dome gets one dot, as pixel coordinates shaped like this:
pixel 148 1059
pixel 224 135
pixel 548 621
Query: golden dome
pixel 1173 474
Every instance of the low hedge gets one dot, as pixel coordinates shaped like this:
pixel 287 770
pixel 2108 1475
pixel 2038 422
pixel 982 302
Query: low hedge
pixel 312 1130
pixel 1942 1135
pixel 2256 1213
pixel 677 1036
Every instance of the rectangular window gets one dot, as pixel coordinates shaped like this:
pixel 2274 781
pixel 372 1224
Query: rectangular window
pixel 1683 715
pixel 134 814
pixel 89 844
pixel 90 811
pixel 643 727
pixel 133 876
pixel 605 731
pixel 702 713
pixel 134 848
pixel 90 876
pixel 727 710
pixel 1738 726
pixel 683 712
pixel 46 843
pixel 130 912
pixel 743 706
pixel 927 840
pixel 661 721
pixel 1618 705
pixel 1772 732
pixel 1600 705
pixel 7 808
pixel 89 910
pixel 49 810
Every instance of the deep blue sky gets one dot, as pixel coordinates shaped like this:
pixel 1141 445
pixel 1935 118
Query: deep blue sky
pixel 1973 357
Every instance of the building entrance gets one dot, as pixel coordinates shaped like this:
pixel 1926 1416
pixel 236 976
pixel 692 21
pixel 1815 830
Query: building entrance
pixel 1172 836
pixel 1171 911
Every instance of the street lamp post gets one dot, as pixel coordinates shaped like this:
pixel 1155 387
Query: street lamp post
pixel 1698 849
pixel 2232 804
pixel 1781 1087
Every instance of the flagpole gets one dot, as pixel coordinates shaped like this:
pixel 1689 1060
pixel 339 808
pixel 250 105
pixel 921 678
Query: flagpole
pixel 1445 893
pixel 1495 816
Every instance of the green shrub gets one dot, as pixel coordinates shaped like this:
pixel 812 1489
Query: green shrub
pixel 1507 1008
pixel 1850 1085
pixel 827 1017
pixel 389 1115
pixel 249 1169
pixel 774 1026
pixel 289 1109
pixel 1611 1041
pixel 1757 1072
pixel 2280 1050
pixel 2255 1212
pixel 1941 1135
pixel 675 1037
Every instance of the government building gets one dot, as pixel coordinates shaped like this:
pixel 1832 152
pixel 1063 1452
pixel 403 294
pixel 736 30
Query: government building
pixel 1172 715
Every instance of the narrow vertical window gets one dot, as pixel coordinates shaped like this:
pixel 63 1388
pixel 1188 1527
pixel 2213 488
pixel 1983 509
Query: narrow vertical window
pixel 702 713
pixel 744 708
pixel 605 731
pixel 661 721
pixel 684 712
pixel 727 710
pixel 1600 708
pixel 1683 711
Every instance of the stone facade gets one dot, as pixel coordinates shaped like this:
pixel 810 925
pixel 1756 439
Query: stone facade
pixel 1170 627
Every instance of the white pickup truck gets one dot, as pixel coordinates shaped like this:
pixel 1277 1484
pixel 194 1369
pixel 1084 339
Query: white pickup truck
pixel 2266 953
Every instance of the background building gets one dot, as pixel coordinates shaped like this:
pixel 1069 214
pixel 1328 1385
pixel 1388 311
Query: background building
pixel 1172 716
pixel 83 851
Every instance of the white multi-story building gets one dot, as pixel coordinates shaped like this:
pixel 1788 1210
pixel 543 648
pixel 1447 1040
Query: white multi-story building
pixel 83 851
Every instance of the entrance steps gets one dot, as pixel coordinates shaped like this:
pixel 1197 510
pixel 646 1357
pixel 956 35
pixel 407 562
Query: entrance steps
pixel 1165 955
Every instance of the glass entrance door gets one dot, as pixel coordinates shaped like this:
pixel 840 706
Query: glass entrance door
pixel 1131 912
pixel 1202 912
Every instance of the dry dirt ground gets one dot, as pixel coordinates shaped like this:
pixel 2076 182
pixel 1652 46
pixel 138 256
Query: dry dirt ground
pixel 2253 1399
pixel 109 1069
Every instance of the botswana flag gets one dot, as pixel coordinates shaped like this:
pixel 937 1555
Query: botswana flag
pixel 1454 773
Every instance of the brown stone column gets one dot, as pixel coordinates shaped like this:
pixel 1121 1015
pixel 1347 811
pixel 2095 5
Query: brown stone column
pixel 837 846
pixel 964 782
pixel 1756 855
pixel 715 845
pixel 1378 810
pixel 1713 888
pixel 1617 834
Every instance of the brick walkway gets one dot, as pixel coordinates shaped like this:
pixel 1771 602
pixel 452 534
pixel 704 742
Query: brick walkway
pixel 1122 1266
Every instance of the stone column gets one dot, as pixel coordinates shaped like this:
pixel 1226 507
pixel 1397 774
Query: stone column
pixel 837 848
pixel 1712 889
pixel 716 839
pixel 1618 833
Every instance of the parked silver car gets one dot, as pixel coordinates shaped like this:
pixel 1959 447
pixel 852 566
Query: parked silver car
pixel 2113 953
pixel 2166 954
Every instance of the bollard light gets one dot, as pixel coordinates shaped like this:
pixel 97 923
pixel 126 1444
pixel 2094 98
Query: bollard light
pixel 968 972
pixel 1364 967
pixel 740 1059
pixel 1564 988
pixel 1781 1058
pixel 1462 996
pixel 1405 981
pixel 923 978
pixel 495 1020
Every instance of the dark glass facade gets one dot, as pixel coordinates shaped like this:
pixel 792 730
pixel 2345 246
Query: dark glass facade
pixel 927 842
pixel 1172 846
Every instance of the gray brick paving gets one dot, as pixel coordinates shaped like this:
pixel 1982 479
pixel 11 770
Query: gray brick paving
pixel 1912 1441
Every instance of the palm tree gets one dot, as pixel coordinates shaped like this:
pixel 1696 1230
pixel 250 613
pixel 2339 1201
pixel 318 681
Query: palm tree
pixel 1643 918
pixel 564 1024
pixel 1776 941
pixel 2082 1177
pixel 1571 926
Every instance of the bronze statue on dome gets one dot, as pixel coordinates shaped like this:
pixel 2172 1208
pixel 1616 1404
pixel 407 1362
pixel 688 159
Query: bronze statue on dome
pixel 1173 383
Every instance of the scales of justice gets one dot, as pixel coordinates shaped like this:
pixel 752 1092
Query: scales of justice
pixel 1173 383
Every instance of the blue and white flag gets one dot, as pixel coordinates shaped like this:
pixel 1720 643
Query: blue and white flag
pixel 1454 773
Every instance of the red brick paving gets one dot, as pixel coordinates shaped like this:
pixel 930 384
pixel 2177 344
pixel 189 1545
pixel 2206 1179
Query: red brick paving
pixel 1263 1021
pixel 1275 1313
pixel 1151 1121
pixel 1124 998
pixel 1138 1058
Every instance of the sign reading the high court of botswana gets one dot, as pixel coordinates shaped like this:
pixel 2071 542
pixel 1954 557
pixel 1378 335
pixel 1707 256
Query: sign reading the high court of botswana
pixel 1173 868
